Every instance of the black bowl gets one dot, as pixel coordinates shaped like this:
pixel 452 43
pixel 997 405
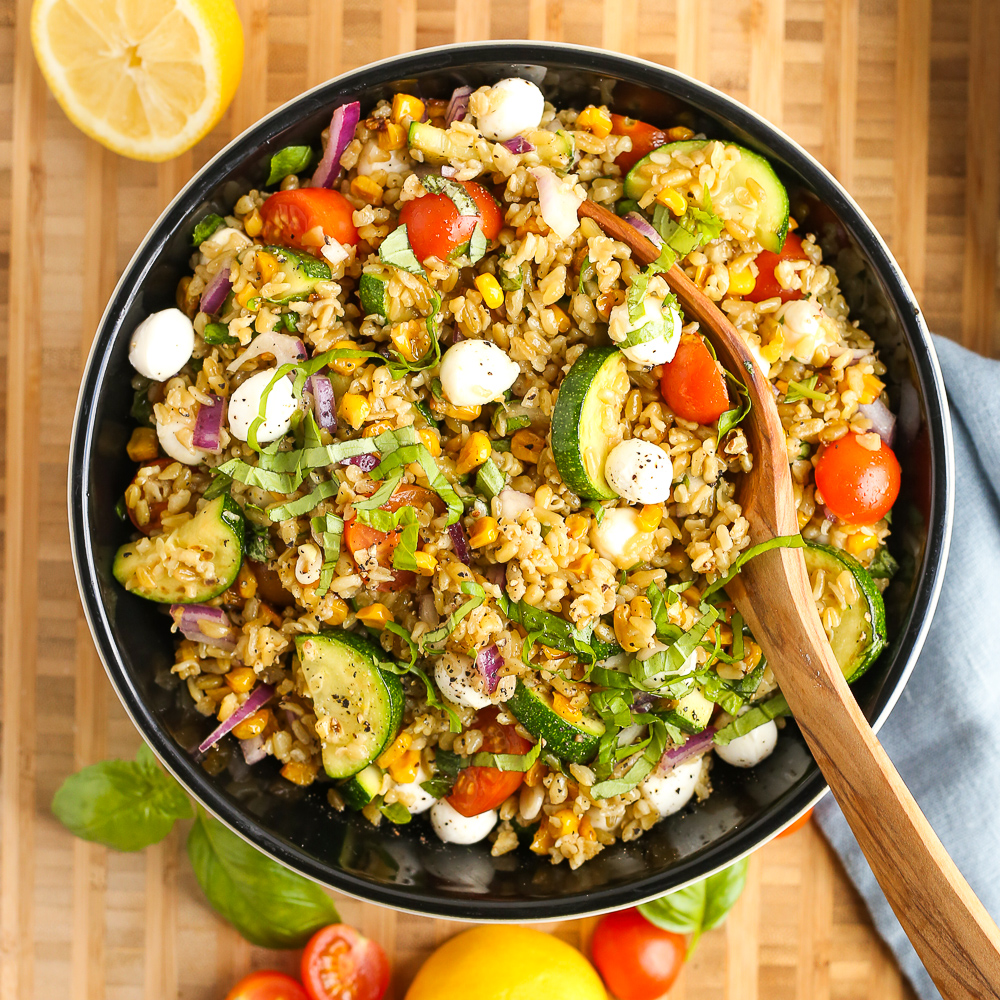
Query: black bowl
pixel 408 867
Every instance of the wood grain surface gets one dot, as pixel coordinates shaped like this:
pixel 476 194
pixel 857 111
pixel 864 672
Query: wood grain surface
pixel 900 98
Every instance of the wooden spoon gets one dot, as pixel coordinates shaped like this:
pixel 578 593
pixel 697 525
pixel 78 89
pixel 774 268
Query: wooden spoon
pixel 954 936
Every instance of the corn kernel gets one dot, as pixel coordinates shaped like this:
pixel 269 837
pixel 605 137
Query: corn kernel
pixel 247 296
pixel 267 265
pixel 376 428
pixel 394 137
pixel 587 829
pixel 254 725
pixel 562 320
pixel 407 108
pixel 679 133
pixel 354 408
pixel 404 768
pixel 344 366
pixel 299 772
pixel 401 340
pixel 375 615
pixel 142 445
pixel 399 746
pixel 535 773
pixel 873 389
pixel 863 539
pixel 803 518
pixel 640 606
pixel 673 199
pixel 527 446
pixel 337 613
pixel 241 679
pixel 576 525
pixel 490 289
pixel 485 532
pixel 426 563
pixel 562 706
pixel 474 452
pixel 582 564
pixel 772 351
pixel 596 120
pixel 246 582
pixel 466 413
pixel 624 632
pixel 741 282
pixel 253 224
pixel 650 516
pixel 543 839
pixel 567 822
pixel 534 224
pixel 367 190
pixel 431 440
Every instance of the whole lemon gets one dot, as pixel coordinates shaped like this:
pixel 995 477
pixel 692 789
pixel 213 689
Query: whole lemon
pixel 502 962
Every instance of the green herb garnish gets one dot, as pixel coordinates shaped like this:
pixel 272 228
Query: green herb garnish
pixel 290 160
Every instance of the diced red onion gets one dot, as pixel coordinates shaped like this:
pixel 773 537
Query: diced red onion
pixel 333 250
pixel 882 418
pixel 208 426
pixel 643 225
pixel 558 201
pixel 215 292
pixel 259 697
pixel 324 401
pixel 513 503
pixel 693 747
pixel 497 574
pixel 342 125
pixel 642 701
pixel 365 462
pixel 458 106
pixel 283 346
pixel 448 171
pixel 488 663
pixel 459 542
pixel 253 749
pixel 189 618
pixel 518 145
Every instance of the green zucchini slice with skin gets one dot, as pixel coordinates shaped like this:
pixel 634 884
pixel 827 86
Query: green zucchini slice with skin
pixel 586 424
pixel 438 145
pixel 692 713
pixel 576 742
pixel 303 272
pixel 860 636
pixel 362 788
pixel 358 706
pixel 771 224
pixel 214 534
pixel 373 291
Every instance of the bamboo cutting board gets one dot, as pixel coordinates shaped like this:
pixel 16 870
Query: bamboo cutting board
pixel 900 98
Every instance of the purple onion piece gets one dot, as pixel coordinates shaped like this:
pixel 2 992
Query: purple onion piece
pixel 215 292
pixel 644 227
pixel 458 105
pixel 253 749
pixel 497 574
pixel 189 618
pixel 208 426
pixel 642 701
pixel 518 145
pixel 342 125
pixel 693 747
pixel 448 171
pixel 459 542
pixel 366 462
pixel 324 401
pixel 882 418
pixel 488 663
pixel 259 697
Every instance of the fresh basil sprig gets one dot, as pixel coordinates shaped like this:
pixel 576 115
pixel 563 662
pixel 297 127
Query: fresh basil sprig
pixel 290 160
pixel 205 227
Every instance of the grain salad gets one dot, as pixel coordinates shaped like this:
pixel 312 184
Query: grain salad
pixel 439 487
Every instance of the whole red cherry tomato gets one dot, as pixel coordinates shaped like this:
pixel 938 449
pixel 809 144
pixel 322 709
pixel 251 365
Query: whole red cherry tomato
pixel 693 384
pixel 636 959
pixel 267 985
pixel 645 138
pixel 435 228
pixel 340 964
pixel 857 484
pixel 290 215
pixel 767 286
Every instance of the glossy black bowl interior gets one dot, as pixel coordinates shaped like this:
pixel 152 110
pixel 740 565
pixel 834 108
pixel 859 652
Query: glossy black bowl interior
pixel 407 866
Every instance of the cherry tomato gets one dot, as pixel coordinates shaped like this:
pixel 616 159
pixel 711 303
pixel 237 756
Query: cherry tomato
pixel 645 138
pixel 437 230
pixel 858 485
pixel 767 286
pixel 340 964
pixel 267 985
pixel 155 509
pixel 478 789
pixel 269 585
pixel 638 960
pixel 288 215
pixel 693 384
pixel 796 826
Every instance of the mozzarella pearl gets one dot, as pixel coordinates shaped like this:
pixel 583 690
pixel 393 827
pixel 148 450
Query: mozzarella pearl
pixel 657 351
pixel 669 793
pixel 514 106
pixel 750 750
pixel 415 798
pixel 621 538
pixel 161 344
pixel 454 828
pixel 373 157
pixel 639 471
pixel 456 677
pixel 474 372
pixel 244 406
pixel 803 329
pixel 166 434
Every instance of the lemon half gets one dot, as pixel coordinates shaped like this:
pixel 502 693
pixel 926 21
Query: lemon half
pixel 146 78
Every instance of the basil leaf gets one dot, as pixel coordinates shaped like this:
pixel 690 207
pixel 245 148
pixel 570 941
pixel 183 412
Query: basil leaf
pixel 396 250
pixel 454 723
pixel 478 245
pixel 221 483
pixel 396 813
pixel 433 641
pixel 556 632
pixel 438 788
pixel 721 892
pixel 142 409
pixel 257 541
pixel 123 804
pixel 325 490
pixel 598 508
pixel 805 390
pixel 218 333
pixel 404 555
pixel 508 761
pixel 636 294
pixel 205 227
pixel 585 266
pixel 328 529
pixel 252 475
pixel 268 904
pixel 749 721
pixel 290 160
pixel 489 479
pixel 460 198
pixel 781 542
pixel 884 566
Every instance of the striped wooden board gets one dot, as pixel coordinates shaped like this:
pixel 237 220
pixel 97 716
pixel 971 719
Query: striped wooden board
pixel 900 98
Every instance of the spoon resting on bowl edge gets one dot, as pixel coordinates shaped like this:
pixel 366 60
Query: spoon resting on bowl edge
pixel 956 939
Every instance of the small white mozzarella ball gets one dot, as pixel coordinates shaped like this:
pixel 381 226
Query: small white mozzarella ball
pixel 801 318
pixel 750 750
pixel 459 681
pixel 639 471
pixel 620 537
pixel 666 319
pixel 373 157
pixel 658 351
pixel 669 793
pixel 244 406
pixel 514 106
pixel 161 344
pixel 166 434
pixel 804 327
pixel 418 800
pixel 454 828
pixel 474 372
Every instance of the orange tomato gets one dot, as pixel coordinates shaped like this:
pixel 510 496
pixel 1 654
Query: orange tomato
pixel 693 384
pixel 645 138
pixel 796 826
pixel 858 485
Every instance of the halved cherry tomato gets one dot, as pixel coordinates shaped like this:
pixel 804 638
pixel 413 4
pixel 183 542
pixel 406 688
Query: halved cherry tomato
pixel 340 964
pixel 693 384
pixel 267 985
pixel 796 826
pixel 767 286
pixel 437 230
pixel 637 960
pixel 156 509
pixel 645 138
pixel 269 585
pixel 858 485
pixel 478 789
pixel 289 215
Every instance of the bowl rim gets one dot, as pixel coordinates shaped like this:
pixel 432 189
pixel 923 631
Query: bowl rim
pixel 516 52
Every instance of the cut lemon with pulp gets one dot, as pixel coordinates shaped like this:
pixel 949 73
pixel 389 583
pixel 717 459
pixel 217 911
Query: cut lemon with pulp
pixel 146 78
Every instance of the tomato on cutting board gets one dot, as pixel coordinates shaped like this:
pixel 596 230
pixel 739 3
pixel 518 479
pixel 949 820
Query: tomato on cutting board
pixel 857 484
pixel 693 384
pixel 645 138
pixel 767 286
pixel 636 959
pixel 288 215
pixel 267 984
pixel 340 964
pixel 435 228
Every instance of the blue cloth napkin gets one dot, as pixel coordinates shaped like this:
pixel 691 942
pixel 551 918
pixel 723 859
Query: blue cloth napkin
pixel 944 733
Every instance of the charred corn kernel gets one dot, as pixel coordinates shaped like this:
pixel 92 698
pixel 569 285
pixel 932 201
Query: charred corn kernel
pixel 861 540
pixel 404 768
pixel 576 525
pixel 394 137
pixel 485 532
pixel 772 351
pixel 566 822
pixel 367 190
pixel 535 224
pixel 563 707
pixel 873 389
pixel 247 296
pixel 562 320
pixel 402 340
pixel 241 679
pixel 299 773
pixel 527 446
pixel 407 108
pixel 376 428
pixel 535 773
pixel 426 563
pixel 582 563
pixel 490 289
pixel 753 655
pixel 474 452
pixel 344 366
pixel 543 839
pixel 375 615
pixel 253 726
pixel 679 132
pixel 673 199
pixel 741 282
pixel 354 408
pixel 431 440
pixel 253 224
pixel 142 444
pixel 596 120
pixel 550 653
pixel 267 265
pixel 466 413
pixel 650 516
pixel 337 613
pixel 587 829
pixel 399 746
pixel 803 518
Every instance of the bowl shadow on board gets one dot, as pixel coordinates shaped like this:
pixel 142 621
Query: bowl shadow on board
pixel 407 866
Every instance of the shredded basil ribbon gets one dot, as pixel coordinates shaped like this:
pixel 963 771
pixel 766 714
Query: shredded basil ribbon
pixel 328 529
pixel 454 723
pixel 780 542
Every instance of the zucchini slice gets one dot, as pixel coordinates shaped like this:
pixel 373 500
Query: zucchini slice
pixel 358 705
pixel 303 272
pixel 362 788
pixel 692 713
pixel 586 420
pixel 376 298
pixel 860 636
pixel 572 741
pixel 769 224
pixel 209 548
